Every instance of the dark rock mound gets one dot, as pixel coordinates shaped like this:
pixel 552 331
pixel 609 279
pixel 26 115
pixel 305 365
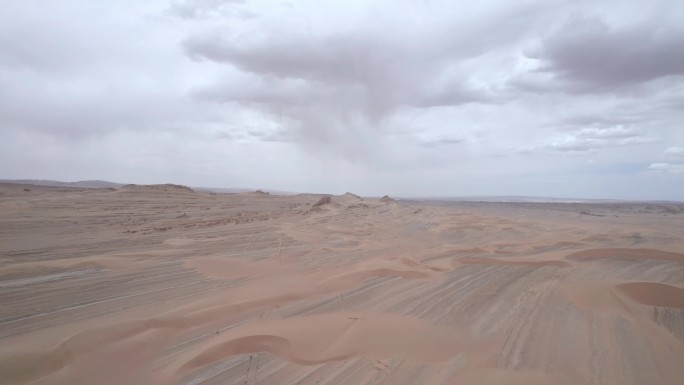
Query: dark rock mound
pixel 387 199
pixel 358 206
pixel 351 195
pixel 323 201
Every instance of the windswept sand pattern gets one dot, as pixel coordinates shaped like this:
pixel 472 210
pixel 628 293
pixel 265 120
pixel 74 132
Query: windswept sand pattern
pixel 163 285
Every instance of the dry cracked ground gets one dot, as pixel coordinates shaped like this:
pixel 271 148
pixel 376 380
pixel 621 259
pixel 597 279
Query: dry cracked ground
pixel 163 285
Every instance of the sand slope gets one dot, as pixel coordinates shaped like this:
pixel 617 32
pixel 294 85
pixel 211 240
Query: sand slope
pixel 165 285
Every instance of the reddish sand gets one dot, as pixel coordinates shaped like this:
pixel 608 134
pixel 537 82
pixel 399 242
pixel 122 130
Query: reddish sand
pixel 654 294
pixel 614 253
pixel 163 285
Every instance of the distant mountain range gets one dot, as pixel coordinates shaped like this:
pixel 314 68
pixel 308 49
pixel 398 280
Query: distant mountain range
pixel 55 183
pixel 106 184
pixel 505 198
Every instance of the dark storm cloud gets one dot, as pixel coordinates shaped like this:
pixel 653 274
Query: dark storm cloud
pixel 337 59
pixel 335 70
pixel 342 88
pixel 398 60
pixel 370 54
pixel 336 87
pixel 598 57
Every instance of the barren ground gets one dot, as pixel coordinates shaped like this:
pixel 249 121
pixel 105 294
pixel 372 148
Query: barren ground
pixel 161 285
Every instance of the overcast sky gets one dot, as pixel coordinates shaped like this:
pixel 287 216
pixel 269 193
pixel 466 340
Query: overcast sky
pixel 408 98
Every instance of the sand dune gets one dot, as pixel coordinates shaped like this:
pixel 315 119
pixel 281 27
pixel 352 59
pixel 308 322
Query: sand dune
pixel 654 294
pixel 494 261
pixel 636 254
pixel 164 285
pixel 324 338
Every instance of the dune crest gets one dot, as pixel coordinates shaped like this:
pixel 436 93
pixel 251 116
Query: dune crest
pixel 622 253
pixel 324 338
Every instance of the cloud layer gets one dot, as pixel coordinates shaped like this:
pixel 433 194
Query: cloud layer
pixel 560 98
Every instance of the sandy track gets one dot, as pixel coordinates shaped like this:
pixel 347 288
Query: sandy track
pixel 162 285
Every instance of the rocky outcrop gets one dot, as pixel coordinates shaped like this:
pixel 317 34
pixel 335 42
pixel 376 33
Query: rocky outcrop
pixel 326 200
pixel 387 199
pixel 352 196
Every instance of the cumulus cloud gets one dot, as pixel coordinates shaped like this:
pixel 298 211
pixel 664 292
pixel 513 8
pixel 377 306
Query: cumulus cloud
pixel 589 139
pixel 673 168
pixel 198 9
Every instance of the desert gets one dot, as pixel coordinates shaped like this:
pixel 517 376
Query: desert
pixel 161 284
pixel 306 192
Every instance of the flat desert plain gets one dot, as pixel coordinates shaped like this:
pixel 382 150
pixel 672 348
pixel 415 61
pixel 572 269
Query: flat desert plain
pixel 164 285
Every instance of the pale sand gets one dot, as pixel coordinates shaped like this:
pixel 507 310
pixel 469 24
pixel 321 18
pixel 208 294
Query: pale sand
pixel 161 285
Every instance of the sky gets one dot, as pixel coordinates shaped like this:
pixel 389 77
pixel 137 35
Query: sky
pixel 413 98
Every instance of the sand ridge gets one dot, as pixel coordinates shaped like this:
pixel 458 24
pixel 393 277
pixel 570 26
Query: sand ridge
pixel 620 253
pixel 329 337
